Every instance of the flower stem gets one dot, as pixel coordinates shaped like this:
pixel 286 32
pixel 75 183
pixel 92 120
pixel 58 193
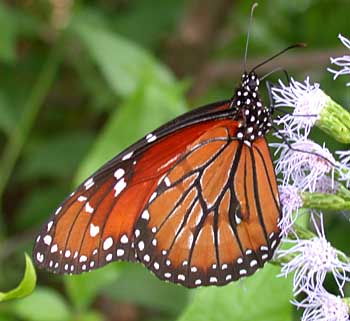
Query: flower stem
pixel 324 201
pixel 335 121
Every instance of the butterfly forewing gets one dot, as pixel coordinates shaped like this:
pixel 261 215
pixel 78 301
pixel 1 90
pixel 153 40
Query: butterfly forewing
pixel 95 224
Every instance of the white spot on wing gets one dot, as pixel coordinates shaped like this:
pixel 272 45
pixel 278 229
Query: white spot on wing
pixel 238 220
pixel 151 138
pixel 58 210
pixel 89 208
pixel 120 252
pixel 54 248
pixel 124 239
pixel 119 187
pixel 127 156
pixel 47 239
pixel 273 244
pixel 40 257
pixel 167 181
pixel 141 245
pixel 242 272
pixel 82 198
pixel 107 244
pixel 181 277
pixel 89 183
pixel 119 173
pixel 153 196
pixel 49 225
pixel 253 263
pixel 145 215
pixel 94 230
pixel 83 258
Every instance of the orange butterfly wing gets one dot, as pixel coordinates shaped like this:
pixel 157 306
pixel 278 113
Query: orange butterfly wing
pixel 196 201
pixel 214 215
pixel 95 224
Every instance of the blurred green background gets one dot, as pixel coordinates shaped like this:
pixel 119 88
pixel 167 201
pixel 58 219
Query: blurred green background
pixel 80 80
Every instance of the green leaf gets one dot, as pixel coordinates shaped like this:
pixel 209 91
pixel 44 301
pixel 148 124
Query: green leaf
pixel 163 14
pixel 261 297
pixel 90 316
pixel 35 207
pixel 82 289
pixel 151 93
pixel 8 34
pixel 5 317
pixel 25 287
pixel 137 285
pixel 150 106
pixel 54 156
pixel 123 63
pixel 43 305
pixel 8 117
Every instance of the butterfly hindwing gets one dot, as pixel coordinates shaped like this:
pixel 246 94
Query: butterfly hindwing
pixel 205 223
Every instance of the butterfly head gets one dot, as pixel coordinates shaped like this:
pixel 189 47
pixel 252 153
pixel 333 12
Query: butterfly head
pixel 250 82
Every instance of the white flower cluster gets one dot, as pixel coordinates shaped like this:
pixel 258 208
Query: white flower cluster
pixel 342 62
pixel 309 167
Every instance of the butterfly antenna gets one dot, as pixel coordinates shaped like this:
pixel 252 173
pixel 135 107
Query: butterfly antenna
pixel 297 45
pixel 248 35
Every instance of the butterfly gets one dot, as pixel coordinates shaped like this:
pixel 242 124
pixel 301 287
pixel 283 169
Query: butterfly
pixel 196 201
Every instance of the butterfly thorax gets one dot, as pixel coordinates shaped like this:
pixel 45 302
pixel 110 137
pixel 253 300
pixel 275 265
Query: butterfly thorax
pixel 254 118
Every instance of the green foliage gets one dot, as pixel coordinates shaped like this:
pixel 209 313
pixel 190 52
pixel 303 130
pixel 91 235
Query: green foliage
pixel 83 289
pixel 262 297
pixel 44 304
pixel 152 95
pixel 138 286
pixel 124 64
pixel 25 287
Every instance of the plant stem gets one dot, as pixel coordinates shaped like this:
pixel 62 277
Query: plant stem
pixel 26 122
